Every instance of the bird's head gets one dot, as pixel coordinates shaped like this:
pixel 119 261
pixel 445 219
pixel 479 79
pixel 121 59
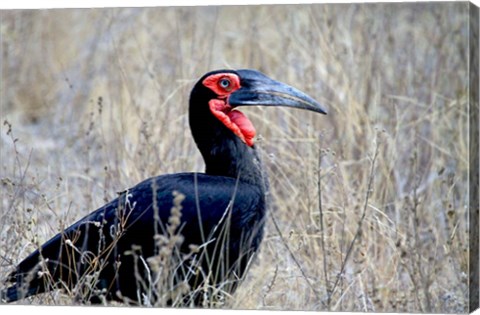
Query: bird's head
pixel 225 90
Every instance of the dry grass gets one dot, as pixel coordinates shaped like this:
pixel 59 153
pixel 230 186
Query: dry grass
pixel 370 201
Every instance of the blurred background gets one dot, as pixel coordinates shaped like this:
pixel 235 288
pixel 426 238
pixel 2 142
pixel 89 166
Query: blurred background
pixel 370 202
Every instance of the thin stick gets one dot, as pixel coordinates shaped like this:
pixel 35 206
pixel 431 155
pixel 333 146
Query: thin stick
pixel 294 258
pixel 322 232
pixel 362 218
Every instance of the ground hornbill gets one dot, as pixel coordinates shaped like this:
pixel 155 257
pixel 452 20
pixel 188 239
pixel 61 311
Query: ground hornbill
pixel 182 239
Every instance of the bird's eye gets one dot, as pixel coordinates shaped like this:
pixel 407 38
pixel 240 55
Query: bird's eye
pixel 224 83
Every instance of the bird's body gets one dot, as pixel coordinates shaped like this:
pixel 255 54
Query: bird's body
pixel 188 233
pixel 131 220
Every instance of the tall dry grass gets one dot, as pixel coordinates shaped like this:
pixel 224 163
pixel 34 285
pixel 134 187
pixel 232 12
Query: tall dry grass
pixel 370 202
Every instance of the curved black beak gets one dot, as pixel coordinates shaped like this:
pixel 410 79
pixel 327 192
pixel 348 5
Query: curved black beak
pixel 259 90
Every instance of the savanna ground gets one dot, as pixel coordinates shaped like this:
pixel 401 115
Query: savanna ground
pixel 371 201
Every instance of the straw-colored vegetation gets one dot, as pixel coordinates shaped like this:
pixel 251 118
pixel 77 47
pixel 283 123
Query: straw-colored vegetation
pixel 370 201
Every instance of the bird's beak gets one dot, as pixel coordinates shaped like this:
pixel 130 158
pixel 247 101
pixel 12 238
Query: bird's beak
pixel 259 90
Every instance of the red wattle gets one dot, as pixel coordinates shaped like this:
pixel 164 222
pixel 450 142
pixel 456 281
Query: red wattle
pixel 234 120
pixel 245 125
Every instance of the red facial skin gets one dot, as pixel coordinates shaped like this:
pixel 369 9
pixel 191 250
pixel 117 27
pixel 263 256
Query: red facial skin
pixel 223 84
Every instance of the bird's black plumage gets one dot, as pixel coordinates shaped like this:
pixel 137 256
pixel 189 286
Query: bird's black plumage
pixel 129 220
pixel 216 222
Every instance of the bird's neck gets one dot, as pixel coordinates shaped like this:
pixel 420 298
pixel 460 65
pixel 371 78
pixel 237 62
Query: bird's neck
pixel 225 154
pixel 235 159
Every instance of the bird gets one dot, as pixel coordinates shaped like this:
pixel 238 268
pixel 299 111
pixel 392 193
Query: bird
pixel 180 239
